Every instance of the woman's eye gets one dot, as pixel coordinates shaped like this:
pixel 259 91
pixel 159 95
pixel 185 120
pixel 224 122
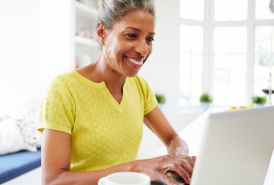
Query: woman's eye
pixel 150 39
pixel 131 35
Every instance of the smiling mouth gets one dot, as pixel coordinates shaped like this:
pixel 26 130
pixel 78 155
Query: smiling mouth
pixel 141 62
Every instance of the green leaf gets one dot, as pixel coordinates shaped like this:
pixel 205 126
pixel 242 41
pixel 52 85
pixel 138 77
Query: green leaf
pixel 205 98
pixel 259 99
pixel 160 98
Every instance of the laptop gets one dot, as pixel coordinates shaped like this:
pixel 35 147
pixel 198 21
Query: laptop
pixel 236 148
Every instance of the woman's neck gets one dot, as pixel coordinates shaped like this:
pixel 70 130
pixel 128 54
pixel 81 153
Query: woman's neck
pixel 100 71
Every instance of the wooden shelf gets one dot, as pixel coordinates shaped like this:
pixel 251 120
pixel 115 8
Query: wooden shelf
pixel 85 11
pixel 85 41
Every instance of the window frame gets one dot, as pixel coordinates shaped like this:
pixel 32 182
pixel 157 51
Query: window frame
pixel 209 24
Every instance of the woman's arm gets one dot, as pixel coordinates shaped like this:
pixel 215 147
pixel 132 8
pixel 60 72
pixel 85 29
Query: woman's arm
pixel 176 146
pixel 158 123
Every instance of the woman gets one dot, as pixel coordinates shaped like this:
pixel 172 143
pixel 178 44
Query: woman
pixel 92 118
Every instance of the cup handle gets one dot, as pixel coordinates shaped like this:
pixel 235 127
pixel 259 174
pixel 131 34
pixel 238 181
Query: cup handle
pixel 102 181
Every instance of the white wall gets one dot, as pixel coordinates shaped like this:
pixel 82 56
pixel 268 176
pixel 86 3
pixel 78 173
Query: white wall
pixel 35 46
pixel 57 46
pixel 19 51
pixel 162 68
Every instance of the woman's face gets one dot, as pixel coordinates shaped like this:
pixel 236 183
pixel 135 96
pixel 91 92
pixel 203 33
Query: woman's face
pixel 129 43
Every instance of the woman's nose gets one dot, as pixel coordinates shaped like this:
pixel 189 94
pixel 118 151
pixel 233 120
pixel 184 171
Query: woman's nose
pixel 142 48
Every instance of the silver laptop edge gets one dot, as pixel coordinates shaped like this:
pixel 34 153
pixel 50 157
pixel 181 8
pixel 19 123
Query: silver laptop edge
pixel 236 148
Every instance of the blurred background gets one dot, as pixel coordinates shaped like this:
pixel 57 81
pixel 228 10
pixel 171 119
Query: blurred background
pixel 219 47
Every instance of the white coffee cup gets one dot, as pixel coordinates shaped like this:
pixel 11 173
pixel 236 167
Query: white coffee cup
pixel 125 178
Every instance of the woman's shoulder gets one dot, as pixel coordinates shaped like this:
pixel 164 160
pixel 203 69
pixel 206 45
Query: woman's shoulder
pixel 69 75
pixel 140 80
pixel 140 83
pixel 64 80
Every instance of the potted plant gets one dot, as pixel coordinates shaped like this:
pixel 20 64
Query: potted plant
pixel 160 99
pixel 259 100
pixel 205 100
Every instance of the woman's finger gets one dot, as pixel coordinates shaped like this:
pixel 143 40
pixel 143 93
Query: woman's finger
pixel 190 161
pixel 193 158
pixel 186 166
pixel 165 178
pixel 185 171
pixel 184 162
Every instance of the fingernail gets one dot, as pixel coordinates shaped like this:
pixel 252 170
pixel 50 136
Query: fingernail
pixel 189 179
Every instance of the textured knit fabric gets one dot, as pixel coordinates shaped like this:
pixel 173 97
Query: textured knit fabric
pixel 103 132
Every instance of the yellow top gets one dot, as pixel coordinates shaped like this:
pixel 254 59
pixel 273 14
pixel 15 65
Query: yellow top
pixel 103 132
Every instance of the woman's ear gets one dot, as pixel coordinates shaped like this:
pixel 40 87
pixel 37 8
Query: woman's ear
pixel 101 33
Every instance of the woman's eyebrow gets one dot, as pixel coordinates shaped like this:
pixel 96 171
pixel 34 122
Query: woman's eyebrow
pixel 136 29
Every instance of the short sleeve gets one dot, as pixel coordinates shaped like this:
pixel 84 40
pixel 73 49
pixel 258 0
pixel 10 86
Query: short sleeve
pixel 57 109
pixel 150 101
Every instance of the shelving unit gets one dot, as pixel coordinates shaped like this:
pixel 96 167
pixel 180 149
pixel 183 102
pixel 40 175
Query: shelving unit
pixel 85 41
pixel 84 16
pixel 84 11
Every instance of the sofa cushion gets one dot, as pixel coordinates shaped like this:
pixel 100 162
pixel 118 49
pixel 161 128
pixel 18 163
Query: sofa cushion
pixel 26 116
pixel 11 139
pixel 16 164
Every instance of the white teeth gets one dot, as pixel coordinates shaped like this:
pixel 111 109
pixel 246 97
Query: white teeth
pixel 134 61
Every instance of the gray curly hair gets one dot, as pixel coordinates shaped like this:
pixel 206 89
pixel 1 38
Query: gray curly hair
pixel 111 11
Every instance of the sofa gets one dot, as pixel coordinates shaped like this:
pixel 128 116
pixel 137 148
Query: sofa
pixel 20 142
pixel 15 164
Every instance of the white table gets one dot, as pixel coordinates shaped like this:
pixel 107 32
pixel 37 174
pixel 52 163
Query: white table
pixel 192 134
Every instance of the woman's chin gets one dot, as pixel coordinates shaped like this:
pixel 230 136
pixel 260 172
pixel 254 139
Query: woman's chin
pixel 132 73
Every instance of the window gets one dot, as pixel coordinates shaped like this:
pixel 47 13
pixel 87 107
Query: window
pixel 226 10
pixel 229 65
pixel 228 53
pixel 191 49
pixel 191 64
pixel 193 9
pixel 262 11
pixel 263 65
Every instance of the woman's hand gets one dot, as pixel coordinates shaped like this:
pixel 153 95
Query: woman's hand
pixel 157 168
pixel 177 161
